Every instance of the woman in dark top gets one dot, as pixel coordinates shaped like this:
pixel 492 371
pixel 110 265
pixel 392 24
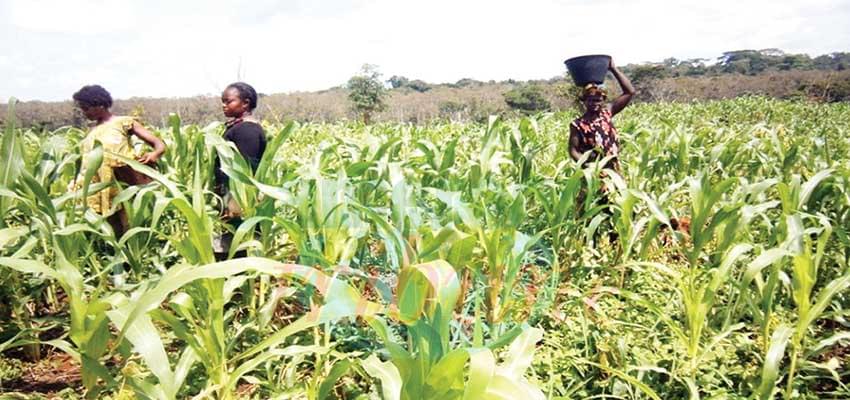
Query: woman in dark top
pixel 238 101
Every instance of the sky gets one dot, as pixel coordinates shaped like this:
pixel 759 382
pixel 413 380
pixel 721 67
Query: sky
pixel 176 48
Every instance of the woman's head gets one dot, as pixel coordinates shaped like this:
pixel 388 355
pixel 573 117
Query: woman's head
pixel 593 97
pixel 93 101
pixel 238 99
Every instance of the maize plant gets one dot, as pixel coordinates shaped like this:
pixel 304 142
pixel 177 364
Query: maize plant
pixel 440 261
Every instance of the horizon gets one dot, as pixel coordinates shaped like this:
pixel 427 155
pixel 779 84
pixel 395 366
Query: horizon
pixel 133 50
pixel 385 77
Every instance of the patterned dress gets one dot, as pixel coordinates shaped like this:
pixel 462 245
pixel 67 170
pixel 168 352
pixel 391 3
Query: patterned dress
pixel 114 136
pixel 598 136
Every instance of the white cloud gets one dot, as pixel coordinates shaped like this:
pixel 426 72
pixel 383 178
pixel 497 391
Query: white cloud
pixel 88 17
pixel 183 48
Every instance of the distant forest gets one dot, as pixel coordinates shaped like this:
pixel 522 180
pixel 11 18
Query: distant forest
pixel 767 72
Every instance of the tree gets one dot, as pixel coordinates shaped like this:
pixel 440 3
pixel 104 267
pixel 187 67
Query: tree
pixel 367 92
pixel 467 82
pixel 397 81
pixel 740 62
pixel 400 82
pixel 640 74
pixel 750 62
pixel 795 61
pixel 419 85
pixel 835 61
pixel 452 109
pixel 695 66
pixel 528 99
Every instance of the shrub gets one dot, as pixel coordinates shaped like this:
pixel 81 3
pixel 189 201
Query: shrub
pixel 527 99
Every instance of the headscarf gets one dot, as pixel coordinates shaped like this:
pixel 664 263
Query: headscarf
pixel 592 89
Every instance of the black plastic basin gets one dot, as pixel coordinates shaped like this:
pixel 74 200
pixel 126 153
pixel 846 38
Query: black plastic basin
pixel 588 69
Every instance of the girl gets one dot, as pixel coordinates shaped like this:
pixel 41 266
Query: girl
pixel 113 132
pixel 594 130
pixel 238 101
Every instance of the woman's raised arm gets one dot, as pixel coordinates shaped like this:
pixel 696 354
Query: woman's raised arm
pixel 628 90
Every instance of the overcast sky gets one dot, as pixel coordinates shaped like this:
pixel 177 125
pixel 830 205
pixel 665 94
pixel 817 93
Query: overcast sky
pixel 49 48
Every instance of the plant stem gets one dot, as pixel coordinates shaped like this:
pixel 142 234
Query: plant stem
pixel 790 385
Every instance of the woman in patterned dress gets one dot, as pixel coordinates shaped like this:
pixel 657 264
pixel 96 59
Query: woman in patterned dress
pixel 594 131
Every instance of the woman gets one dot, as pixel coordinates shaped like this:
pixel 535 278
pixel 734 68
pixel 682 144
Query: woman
pixel 238 101
pixel 594 131
pixel 113 132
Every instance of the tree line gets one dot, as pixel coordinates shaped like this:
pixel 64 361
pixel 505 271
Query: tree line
pixel 369 97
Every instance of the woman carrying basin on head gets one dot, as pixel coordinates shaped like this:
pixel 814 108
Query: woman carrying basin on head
pixel 594 131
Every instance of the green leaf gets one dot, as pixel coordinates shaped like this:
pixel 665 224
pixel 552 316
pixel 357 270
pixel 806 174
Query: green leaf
pixel 146 341
pixel 772 362
pixel 12 156
pixel 810 185
pixel 387 373
pixel 482 368
pixel 445 380
pixel 339 369
pixel 272 148
pixel 340 299
pixel 626 377
pixel 245 229
pixel 91 163
pixel 521 352
pixel 763 260
pixel 153 174
pixel 424 287
pixel 825 296
pixel 30 267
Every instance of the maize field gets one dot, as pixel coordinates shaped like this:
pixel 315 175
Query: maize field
pixel 442 261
